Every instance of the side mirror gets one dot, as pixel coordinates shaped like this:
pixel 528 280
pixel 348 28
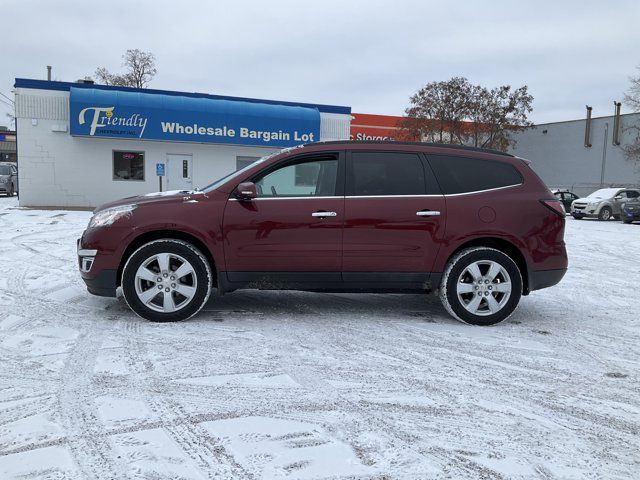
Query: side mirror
pixel 618 197
pixel 247 191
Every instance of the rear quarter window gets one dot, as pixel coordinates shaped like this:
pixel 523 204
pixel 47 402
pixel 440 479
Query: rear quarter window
pixel 464 174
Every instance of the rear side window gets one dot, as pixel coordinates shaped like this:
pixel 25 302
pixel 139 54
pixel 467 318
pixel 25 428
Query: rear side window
pixel 463 174
pixel 385 173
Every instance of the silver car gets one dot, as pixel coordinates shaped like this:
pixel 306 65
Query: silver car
pixel 604 204
pixel 8 178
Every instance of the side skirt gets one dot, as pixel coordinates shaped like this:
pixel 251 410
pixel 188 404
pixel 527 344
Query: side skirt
pixel 336 282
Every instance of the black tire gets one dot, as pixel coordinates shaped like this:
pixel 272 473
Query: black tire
pixel 577 216
pixel 457 266
pixel 605 214
pixel 627 220
pixel 201 277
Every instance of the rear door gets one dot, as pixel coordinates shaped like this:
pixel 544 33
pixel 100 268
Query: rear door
pixel 394 218
pixel 294 227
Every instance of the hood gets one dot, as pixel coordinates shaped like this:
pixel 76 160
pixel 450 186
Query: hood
pixel 590 200
pixel 171 196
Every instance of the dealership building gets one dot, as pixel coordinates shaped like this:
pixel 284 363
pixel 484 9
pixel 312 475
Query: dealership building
pixel 82 144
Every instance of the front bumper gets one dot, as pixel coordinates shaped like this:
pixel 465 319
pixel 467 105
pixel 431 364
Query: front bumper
pixel 105 283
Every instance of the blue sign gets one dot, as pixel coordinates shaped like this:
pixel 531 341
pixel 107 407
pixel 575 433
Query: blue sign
pixel 160 169
pixel 118 114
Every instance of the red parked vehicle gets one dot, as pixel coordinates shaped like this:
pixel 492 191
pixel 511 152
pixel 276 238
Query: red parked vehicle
pixel 476 226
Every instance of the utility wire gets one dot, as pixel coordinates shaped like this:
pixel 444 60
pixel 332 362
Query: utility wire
pixel 7 98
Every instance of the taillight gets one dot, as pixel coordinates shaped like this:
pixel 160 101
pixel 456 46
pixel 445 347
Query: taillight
pixel 555 206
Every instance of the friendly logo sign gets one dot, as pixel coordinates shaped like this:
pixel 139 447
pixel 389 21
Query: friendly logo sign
pixel 118 114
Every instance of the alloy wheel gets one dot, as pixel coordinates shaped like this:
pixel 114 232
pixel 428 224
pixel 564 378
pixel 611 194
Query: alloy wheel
pixel 484 287
pixel 166 282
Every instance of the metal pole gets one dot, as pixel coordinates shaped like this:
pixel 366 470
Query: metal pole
pixel 49 72
pixel 160 182
pixel 604 153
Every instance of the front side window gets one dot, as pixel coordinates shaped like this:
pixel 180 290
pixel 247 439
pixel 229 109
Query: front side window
pixel 128 166
pixel 464 175
pixel 307 178
pixel 385 173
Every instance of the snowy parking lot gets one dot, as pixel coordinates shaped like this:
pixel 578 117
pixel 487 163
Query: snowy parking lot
pixel 303 385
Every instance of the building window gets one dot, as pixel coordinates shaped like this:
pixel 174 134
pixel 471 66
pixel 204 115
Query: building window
pixel 128 166
pixel 242 162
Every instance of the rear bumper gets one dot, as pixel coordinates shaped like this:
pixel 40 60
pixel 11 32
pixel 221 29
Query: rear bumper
pixel 104 284
pixel 545 278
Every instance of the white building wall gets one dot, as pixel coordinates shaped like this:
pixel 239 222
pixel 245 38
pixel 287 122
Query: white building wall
pixel 558 154
pixel 56 169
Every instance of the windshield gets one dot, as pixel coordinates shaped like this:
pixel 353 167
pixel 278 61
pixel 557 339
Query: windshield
pixel 604 193
pixel 237 173
pixel 5 170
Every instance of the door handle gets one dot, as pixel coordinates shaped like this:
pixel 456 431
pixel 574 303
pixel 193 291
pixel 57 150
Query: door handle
pixel 428 213
pixel 323 214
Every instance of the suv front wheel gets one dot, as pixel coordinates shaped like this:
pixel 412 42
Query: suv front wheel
pixel 481 286
pixel 166 280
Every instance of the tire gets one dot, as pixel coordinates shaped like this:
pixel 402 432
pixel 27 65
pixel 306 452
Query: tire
pixel 577 216
pixel 627 220
pixel 11 191
pixel 604 214
pixel 175 298
pixel 461 304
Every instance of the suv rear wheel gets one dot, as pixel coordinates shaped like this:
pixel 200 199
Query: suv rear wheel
pixel 166 280
pixel 481 286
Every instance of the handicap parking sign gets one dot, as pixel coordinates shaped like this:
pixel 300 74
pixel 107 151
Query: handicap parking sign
pixel 160 169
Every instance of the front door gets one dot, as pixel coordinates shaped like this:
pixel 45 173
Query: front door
pixel 394 218
pixel 295 224
pixel 178 172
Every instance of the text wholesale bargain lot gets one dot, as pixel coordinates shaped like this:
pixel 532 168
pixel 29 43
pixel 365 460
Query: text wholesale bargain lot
pixel 303 385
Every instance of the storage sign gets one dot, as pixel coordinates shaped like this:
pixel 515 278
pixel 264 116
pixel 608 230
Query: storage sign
pixel 147 116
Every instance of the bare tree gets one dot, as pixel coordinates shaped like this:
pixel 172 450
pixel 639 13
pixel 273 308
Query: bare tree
pixel 632 98
pixel 455 111
pixel 141 68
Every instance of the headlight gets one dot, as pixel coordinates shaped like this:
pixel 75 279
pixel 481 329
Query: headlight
pixel 106 217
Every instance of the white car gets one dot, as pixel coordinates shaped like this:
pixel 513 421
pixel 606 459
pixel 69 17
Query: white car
pixel 604 204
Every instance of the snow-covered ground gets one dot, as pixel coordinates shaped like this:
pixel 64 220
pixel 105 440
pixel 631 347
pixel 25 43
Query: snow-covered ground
pixel 303 385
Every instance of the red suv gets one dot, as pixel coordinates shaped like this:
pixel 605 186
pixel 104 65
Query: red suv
pixel 476 226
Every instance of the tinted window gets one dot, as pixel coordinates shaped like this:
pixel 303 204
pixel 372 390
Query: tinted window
pixel 632 194
pixel 388 173
pixel 306 179
pixel 128 165
pixel 462 174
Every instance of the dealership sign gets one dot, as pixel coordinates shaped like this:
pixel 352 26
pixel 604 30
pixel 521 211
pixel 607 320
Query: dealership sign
pixel 119 114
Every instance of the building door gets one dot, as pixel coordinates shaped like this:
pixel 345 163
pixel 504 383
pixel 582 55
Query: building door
pixel 178 174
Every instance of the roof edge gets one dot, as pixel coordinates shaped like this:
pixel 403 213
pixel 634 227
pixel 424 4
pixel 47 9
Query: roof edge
pixel 66 86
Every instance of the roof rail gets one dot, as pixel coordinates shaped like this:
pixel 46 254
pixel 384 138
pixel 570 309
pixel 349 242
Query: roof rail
pixel 425 144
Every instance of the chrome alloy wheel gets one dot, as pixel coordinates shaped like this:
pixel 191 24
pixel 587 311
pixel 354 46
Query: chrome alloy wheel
pixel 484 287
pixel 166 282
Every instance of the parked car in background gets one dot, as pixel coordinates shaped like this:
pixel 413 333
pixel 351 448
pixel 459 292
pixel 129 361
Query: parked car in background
pixel 479 227
pixel 565 197
pixel 8 178
pixel 604 204
pixel 631 210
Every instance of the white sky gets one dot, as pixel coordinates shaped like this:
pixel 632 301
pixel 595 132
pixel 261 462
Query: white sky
pixel 370 55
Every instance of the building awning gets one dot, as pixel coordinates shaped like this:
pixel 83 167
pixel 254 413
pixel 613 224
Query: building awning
pixel 146 116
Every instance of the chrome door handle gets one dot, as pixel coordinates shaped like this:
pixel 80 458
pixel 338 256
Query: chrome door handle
pixel 323 214
pixel 428 213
